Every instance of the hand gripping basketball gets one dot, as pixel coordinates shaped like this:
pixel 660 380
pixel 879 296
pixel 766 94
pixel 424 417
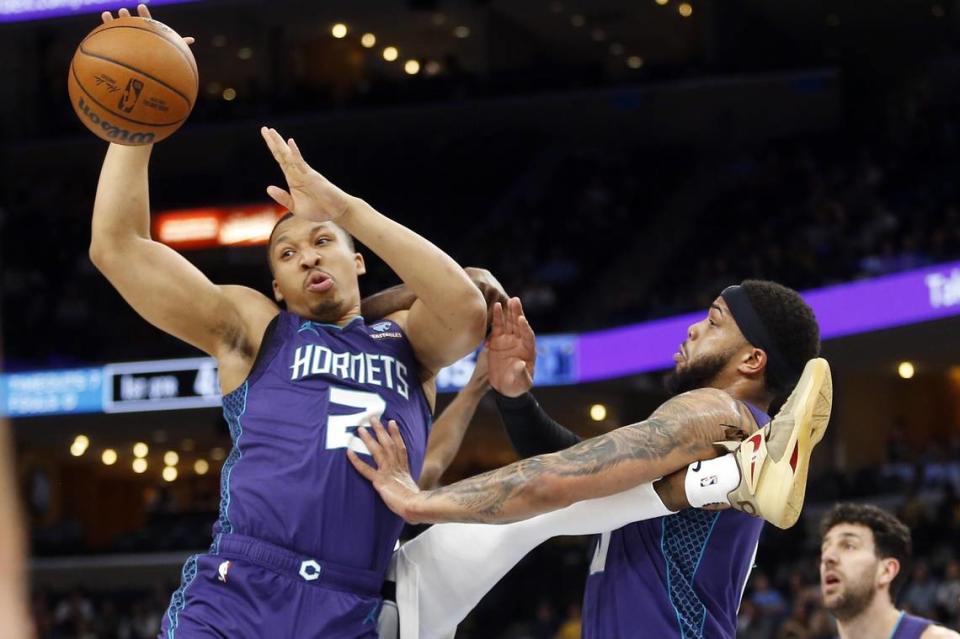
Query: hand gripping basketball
pixel 133 80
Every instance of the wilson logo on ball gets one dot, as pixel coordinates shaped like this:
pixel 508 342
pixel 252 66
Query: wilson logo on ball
pixel 113 132
pixel 130 95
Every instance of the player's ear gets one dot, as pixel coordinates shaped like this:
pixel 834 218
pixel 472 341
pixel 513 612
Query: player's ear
pixel 888 571
pixel 754 361
pixel 360 263
pixel 277 295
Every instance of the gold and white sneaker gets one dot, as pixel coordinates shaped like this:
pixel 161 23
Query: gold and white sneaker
pixel 774 461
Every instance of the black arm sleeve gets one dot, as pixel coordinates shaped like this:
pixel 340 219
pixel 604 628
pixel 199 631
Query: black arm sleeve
pixel 531 430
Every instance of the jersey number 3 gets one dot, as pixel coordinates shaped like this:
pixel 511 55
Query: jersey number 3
pixel 341 428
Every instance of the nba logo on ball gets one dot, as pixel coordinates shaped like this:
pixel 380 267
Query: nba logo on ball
pixel 161 85
pixel 130 95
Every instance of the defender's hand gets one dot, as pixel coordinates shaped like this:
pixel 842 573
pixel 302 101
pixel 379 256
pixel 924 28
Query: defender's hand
pixel 143 12
pixel 480 379
pixel 391 477
pixel 492 289
pixel 512 350
pixel 311 195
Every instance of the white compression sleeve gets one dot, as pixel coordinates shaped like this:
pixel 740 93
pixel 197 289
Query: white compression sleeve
pixel 443 573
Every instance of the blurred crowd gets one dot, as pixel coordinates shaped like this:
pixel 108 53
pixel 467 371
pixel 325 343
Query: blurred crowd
pixel 573 231
pixel 111 615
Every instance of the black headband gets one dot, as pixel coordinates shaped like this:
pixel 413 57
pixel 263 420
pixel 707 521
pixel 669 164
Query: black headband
pixel 755 331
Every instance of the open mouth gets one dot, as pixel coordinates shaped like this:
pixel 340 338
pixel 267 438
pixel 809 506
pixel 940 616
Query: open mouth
pixel 318 282
pixel 831 579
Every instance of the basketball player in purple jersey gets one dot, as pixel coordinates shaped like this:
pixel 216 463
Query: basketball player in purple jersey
pixel 665 576
pixel 302 541
pixel 863 559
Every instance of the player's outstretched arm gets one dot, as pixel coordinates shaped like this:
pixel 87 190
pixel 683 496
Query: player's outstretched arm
pixel 448 318
pixel 159 283
pixel 680 432
pixel 448 429
pixel 401 298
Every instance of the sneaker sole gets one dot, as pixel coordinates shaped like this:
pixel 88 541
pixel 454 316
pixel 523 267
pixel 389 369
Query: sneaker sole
pixel 782 485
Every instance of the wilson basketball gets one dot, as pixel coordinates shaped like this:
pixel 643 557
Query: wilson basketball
pixel 133 81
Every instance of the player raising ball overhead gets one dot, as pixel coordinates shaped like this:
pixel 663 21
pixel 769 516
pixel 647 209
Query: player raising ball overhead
pixel 302 540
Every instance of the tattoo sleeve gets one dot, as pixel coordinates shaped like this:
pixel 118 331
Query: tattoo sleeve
pixel 681 431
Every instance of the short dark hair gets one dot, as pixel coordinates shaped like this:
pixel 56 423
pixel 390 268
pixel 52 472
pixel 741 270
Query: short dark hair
pixel 286 216
pixel 791 324
pixel 891 538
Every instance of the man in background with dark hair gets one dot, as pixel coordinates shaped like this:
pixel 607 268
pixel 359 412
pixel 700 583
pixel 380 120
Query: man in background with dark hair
pixel 673 574
pixel 863 560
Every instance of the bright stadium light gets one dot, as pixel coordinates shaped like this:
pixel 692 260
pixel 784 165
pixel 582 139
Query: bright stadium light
pixel 169 473
pixel 79 445
pixel 140 450
pixel 685 9
pixel 412 67
pixel 139 465
pixel 109 457
pixel 598 412
pixel 201 466
pixel 906 370
pixel 368 40
pixel 339 30
pixel 390 54
pixel 170 458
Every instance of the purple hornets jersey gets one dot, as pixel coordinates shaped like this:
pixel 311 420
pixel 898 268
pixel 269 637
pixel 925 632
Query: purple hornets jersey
pixel 675 577
pixel 287 480
pixel 910 627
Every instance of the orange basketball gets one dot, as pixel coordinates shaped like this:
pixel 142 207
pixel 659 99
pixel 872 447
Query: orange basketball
pixel 133 81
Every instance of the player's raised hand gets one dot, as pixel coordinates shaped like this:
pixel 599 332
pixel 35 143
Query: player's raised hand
pixel 511 350
pixel 391 476
pixel 480 379
pixel 143 12
pixel 310 195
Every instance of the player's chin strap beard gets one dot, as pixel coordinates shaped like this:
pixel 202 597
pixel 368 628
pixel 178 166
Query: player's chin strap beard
pixel 756 333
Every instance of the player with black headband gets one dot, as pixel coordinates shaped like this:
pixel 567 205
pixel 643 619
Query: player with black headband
pixel 672 570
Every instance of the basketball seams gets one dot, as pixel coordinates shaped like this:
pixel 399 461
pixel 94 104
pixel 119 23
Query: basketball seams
pixel 93 99
pixel 191 61
pixel 136 70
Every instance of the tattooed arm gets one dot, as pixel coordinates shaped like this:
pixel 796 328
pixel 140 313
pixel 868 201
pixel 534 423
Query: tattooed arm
pixel 678 433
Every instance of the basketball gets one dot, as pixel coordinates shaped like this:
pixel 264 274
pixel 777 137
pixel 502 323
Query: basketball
pixel 133 81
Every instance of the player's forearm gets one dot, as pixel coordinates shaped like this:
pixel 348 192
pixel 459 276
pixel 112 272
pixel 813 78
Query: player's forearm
pixel 121 212
pixel 447 434
pixel 680 432
pixel 541 484
pixel 431 275
pixel 391 300
pixel 531 430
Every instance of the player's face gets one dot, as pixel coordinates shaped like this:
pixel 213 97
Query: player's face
pixel 314 269
pixel 850 571
pixel 711 346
